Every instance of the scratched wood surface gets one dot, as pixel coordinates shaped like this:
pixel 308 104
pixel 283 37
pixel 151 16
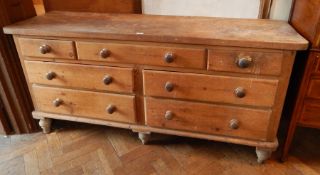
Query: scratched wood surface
pixel 170 29
pixel 75 148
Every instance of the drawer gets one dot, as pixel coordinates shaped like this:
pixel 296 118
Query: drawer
pixel 80 76
pixel 47 48
pixel 221 89
pixel 208 118
pixel 310 114
pixel 142 54
pixel 86 104
pixel 314 89
pixel 242 61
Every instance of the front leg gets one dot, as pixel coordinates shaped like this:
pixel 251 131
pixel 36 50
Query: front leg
pixel 45 124
pixel 263 154
pixel 144 137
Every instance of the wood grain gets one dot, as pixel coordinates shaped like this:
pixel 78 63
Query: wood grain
pixel 143 128
pixel 310 115
pixel 142 54
pixel 81 76
pixel 305 18
pixel 317 62
pixel 212 119
pixel 58 49
pixel 101 6
pixel 314 89
pixel 259 92
pixel 141 41
pixel 263 63
pixel 118 151
pixel 170 29
pixel 85 103
pixel 13 87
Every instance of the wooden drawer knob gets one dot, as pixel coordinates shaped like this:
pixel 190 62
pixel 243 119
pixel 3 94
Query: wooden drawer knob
pixel 44 49
pixel 169 86
pixel 234 124
pixel 111 109
pixel 168 115
pixel 240 92
pixel 104 53
pixel 57 102
pixel 169 57
pixel 107 80
pixel 244 62
pixel 50 75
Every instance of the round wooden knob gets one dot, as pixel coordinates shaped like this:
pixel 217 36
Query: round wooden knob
pixel 169 86
pixel 57 102
pixel 44 49
pixel 107 80
pixel 111 109
pixel 169 57
pixel 244 62
pixel 240 92
pixel 104 53
pixel 50 75
pixel 234 124
pixel 168 115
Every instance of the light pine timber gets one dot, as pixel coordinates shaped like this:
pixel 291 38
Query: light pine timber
pixel 251 33
pixel 81 76
pixel 143 35
pixel 58 49
pixel 142 54
pixel 210 88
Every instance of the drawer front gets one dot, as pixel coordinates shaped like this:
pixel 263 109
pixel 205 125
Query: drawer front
pixel 310 114
pixel 142 54
pixel 207 118
pixel 314 89
pixel 86 104
pixel 80 76
pixel 47 48
pixel 222 89
pixel 240 61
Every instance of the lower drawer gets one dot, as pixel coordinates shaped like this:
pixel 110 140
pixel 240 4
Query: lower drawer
pixel 208 118
pixel 87 104
pixel 310 114
pixel 314 89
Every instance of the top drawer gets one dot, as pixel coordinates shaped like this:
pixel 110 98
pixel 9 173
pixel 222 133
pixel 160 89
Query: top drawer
pixel 47 48
pixel 142 54
pixel 243 61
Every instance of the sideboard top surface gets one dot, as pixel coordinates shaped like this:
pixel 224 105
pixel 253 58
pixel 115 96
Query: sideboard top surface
pixel 255 33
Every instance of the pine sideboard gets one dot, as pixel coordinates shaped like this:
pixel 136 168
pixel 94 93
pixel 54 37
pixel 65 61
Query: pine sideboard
pixel 211 78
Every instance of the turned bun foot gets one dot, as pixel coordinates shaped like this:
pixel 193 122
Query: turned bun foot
pixel 263 154
pixel 45 124
pixel 144 137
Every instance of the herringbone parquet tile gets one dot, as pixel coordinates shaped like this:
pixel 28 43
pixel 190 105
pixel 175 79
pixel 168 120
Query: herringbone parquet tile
pixel 87 149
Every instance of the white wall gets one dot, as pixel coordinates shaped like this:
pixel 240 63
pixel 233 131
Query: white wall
pixel 215 8
pixel 280 9
pixel 218 8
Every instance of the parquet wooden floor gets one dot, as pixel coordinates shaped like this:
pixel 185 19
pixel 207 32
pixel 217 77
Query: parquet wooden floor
pixel 88 149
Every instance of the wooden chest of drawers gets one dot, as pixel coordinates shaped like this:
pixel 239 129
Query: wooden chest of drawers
pixel 210 78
